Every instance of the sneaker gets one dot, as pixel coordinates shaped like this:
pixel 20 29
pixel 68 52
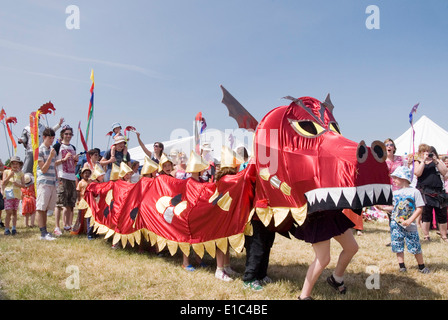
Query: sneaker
pixel 189 267
pixel 425 270
pixel 13 232
pixel 57 232
pixel 7 232
pixel 254 285
pixel 2 225
pixel 403 269
pixel 48 237
pixel 222 275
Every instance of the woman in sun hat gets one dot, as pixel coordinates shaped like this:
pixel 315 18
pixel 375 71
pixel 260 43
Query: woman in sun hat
pixel 29 200
pixel 13 181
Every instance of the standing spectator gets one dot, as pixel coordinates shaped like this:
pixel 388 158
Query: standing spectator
pixel 46 183
pixel 392 161
pixel 407 206
pixel 430 172
pixel 29 200
pixel 81 189
pixel 13 181
pixel 121 154
pixel 66 160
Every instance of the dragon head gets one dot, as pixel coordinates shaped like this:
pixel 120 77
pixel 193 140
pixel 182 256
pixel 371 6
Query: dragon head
pixel 305 165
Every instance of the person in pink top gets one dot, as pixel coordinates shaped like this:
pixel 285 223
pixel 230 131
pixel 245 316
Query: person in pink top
pixel 392 161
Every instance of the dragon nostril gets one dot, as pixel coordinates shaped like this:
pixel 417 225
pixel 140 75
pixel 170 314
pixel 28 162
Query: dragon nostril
pixel 361 152
pixel 378 151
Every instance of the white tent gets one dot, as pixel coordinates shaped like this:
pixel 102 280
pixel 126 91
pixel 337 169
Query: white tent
pixel 426 131
pixel 181 141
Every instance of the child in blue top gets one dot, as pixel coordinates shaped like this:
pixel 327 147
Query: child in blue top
pixel 407 207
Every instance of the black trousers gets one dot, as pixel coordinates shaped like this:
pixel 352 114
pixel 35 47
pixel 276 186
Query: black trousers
pixel 258 248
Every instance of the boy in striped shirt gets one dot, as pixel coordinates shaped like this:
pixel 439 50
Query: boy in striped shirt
pixel 46 182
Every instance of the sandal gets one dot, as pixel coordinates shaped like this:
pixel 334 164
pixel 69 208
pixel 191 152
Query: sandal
pixel 339 287
pixel 306 298
pixel 445 239
pixel 426 238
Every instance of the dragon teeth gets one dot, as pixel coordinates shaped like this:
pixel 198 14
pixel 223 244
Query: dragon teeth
pixel 372 191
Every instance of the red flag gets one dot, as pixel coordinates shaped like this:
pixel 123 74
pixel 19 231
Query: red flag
pixel 14 121
pixel 84 143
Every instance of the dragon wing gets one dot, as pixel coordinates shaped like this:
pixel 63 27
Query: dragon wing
pixel 244 119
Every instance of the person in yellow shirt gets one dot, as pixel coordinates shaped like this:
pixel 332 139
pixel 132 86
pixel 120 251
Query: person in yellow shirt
pixel 13 181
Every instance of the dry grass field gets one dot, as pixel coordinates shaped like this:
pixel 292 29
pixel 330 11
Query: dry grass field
pixel 31 269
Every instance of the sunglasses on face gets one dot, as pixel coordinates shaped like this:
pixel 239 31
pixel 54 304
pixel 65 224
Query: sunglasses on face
pixel 390 145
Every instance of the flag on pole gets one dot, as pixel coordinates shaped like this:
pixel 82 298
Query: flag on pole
pixel 411 121
pixel 90 113
pixel 14 121
pixel 84 144
pixel 199 121
pixel 34 131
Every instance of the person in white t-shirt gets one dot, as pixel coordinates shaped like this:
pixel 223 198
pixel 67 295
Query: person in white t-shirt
pixel 66 160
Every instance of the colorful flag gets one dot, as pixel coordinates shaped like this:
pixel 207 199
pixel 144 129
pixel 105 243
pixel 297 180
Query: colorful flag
pixel 411 120
pixel 34 131
pixel 197 122
pixel 90 113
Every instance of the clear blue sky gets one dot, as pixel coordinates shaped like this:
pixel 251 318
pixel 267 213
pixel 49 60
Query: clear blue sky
pixel 158 63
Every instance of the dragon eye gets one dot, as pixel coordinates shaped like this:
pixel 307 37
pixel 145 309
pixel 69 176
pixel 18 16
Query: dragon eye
pixel 334 127
pixel 308 129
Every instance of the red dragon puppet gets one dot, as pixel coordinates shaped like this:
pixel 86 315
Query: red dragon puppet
pixel 302 165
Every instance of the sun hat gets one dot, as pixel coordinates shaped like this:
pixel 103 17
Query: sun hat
pixel 116 125
pixel 402 173
pixel 29 179
pixel 85 168
pixel 120 139
pixel 15 159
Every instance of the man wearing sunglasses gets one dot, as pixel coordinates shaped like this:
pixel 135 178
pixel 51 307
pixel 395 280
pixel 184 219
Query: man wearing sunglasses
pixel 66 160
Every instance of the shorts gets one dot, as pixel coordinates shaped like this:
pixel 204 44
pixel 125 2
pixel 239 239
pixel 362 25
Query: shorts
pixel 439 213
pixel 67 194
pixel 400 235
pixel 12 204
pixel 46 197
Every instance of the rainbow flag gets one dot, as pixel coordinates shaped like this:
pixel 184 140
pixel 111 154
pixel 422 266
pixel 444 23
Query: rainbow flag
pixel 90 114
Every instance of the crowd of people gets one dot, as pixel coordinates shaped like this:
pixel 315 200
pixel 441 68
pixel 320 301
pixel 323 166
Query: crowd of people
pixel 62 176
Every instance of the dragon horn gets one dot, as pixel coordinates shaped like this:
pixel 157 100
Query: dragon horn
pixel 328 103
pixel 295 100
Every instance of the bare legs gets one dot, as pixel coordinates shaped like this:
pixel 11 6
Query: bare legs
pixel 322 259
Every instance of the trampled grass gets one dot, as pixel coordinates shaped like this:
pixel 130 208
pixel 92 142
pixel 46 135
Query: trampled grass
pixel 31 269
